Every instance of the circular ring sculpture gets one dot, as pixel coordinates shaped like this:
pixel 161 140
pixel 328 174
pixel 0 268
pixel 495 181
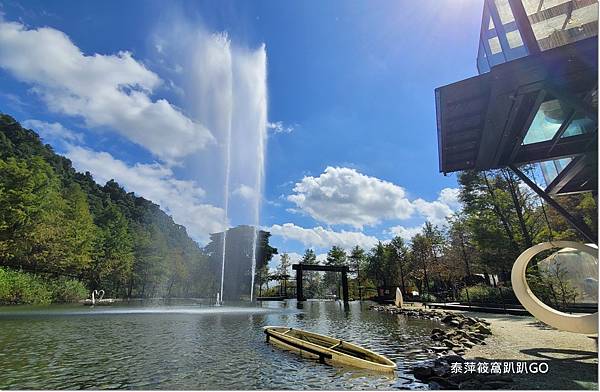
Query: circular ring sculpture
pixel 586 324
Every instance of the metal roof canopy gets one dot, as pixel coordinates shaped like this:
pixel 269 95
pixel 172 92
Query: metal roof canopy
pixel 483 120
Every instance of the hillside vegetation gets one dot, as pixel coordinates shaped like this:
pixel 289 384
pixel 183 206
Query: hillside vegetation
pixel 58 225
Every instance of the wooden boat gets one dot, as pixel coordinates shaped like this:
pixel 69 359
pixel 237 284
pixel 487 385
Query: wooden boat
pixel 328 349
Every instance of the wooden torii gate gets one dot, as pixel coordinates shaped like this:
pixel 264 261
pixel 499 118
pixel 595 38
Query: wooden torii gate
pixel 299 268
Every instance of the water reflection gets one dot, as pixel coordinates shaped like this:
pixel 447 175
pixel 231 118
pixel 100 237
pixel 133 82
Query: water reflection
pixel 196 347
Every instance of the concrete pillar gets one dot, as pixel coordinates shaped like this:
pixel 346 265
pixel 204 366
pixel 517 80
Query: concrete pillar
pixel 299 295
pixel 345 285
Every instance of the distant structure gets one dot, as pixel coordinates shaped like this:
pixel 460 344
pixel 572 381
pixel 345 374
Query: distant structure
pixel 238 259
pixel 300 267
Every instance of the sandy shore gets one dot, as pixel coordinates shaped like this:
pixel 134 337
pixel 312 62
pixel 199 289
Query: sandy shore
pixel 572 358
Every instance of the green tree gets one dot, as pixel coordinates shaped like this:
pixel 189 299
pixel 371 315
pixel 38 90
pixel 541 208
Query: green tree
pixel 357 261
pixel 335 257
pixel 398 252
pixel 378 266
pixel 313 279
pixel 284 264
pixel 114 258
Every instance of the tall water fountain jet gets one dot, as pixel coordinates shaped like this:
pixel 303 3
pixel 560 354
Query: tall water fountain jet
pixel 225 88
pixel 227 180
pixel 262 144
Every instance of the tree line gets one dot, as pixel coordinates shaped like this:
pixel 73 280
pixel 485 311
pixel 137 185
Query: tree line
pixel 499 218
pixel 57 221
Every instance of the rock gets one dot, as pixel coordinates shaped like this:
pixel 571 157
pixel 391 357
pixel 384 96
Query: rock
pixel 470 320
pixel 471 384
pixel 441 370
pixel 497 377
pixel 449 343
pixel 454 323
pixel 468 344
pixel 447 319
pixel 496 384
pixel 478 335
pixel 438 348
pixel 484 330
pixel 436 330
pixel 422 372
pixel 453 358
pixel 460 377
pixel 443 382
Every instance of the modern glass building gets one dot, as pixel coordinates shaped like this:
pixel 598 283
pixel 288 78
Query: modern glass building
pixel 511 29
pixel 535 100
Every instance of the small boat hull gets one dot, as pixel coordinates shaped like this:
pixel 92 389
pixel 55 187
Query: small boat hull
pixel 327 349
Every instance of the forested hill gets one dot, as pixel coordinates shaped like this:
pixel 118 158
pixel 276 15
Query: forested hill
pixel 56 220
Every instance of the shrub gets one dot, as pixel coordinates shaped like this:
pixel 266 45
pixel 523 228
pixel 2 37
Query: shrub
pixel 486 294
pixel 68 290
pixel 427 297
pixel 18 287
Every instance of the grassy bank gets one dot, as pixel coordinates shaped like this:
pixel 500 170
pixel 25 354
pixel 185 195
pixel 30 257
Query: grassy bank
pixel 17 287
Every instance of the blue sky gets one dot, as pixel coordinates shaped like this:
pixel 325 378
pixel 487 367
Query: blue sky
pixel 351 150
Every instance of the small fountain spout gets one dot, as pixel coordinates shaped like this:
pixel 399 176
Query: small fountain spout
pixel 219 301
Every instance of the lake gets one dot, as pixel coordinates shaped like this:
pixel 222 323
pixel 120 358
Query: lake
pixel 192 345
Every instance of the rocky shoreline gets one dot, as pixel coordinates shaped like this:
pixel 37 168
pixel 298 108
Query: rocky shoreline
pixel 449 344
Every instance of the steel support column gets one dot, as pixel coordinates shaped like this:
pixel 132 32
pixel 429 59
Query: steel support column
pixel 577 224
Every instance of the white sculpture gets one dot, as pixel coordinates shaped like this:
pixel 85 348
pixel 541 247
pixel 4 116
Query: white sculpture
pixel 399 300
pixel 95 293
pixel 586 323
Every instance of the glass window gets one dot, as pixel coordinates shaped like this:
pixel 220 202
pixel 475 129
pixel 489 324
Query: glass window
pixel 581 124
pixel 552 168
pixel 546 122
pixel 514 39
pixel 495 45
pixel 504 11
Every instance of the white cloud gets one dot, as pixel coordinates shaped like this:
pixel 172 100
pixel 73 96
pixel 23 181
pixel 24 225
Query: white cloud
pixel 433 211
pixel 344 196
pixel 438 210
pixel 279 127
pixel 319 237
pixel 406 233
pixel 53 131
pixel 450 197
pixel 245 192
pixel 183 200
pixel 105 90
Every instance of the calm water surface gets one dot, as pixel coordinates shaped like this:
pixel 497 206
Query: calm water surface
pixel 196 347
